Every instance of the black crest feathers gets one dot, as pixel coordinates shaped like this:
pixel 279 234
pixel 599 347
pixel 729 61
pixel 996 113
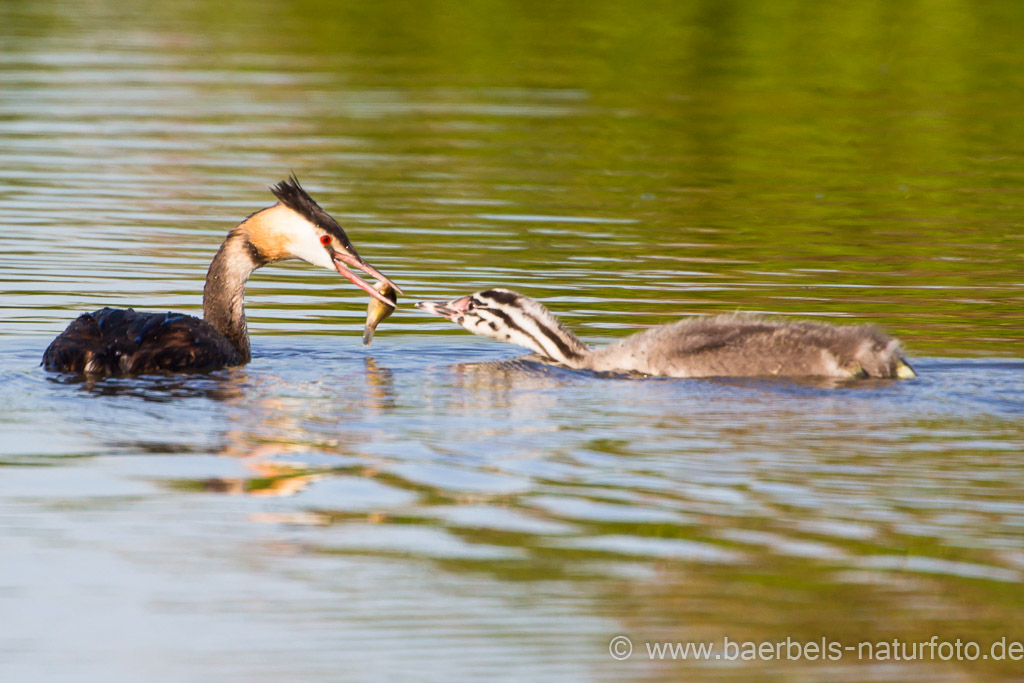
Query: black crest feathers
pixel 291 194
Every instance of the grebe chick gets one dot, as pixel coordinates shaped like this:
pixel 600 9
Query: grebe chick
pixel 376 311
pixel 720 346
pixel 125 342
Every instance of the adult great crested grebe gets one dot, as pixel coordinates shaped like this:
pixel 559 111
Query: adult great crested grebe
pixel 720 346
pixel 125 342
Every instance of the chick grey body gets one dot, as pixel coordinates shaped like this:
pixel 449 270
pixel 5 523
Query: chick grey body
pixel 719 346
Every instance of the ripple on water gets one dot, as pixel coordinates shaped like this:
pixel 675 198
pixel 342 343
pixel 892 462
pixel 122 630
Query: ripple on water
pixel 675 548
pixel 429 500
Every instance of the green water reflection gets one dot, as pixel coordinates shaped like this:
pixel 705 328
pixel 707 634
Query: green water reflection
pixel 861 161
pixel 857 159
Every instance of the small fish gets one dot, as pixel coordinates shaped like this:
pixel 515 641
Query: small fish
pixel 376 311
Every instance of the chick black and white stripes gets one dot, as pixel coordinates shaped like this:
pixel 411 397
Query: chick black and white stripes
pixel 507 316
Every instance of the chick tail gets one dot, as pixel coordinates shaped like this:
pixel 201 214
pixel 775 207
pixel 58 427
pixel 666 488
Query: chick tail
pixel 904 371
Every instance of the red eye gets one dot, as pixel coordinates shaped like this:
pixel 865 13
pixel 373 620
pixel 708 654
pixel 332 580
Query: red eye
pixel 325 240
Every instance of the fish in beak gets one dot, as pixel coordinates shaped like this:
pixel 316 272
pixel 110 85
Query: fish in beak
pixel 376 312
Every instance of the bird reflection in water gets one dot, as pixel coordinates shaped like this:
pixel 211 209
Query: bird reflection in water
pixel 273 437
pixel 380 386
pixel 519 388
pixel 222 386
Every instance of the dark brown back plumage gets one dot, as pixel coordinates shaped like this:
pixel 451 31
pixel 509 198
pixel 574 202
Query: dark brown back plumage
pixel 115 341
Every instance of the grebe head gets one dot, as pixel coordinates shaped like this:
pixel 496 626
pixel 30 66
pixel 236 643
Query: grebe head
pixel 298 228
pixel 510 317
pixel 492 313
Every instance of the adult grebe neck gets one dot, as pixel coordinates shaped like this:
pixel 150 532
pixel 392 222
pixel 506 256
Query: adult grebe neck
pixel 224 293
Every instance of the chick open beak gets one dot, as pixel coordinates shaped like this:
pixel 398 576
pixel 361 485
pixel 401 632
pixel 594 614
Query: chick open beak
pixel 446 309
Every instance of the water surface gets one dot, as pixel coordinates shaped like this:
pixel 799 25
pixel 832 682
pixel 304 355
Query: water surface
pixel 429 505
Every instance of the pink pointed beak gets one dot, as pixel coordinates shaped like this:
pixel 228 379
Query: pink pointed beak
pixel 343 260
pixel 446 309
